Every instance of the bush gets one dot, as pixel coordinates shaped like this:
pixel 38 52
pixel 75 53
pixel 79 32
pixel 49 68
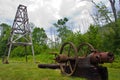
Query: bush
pixel 18 51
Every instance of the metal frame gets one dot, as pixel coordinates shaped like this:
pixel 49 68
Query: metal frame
pixel 20 30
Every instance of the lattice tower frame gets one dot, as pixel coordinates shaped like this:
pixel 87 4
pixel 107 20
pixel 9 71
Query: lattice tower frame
pixel 20 30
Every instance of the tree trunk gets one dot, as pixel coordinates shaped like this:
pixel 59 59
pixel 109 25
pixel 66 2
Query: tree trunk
pixel 119 2
pixel 112 2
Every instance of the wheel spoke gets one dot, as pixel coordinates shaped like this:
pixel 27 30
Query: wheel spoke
pixel 71 51
pixel 66 65
pixel 62 69
pixel 69 64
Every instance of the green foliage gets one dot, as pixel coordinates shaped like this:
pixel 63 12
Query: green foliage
pixel 39 40
pixel 110 31
pixel 104 12
pixel 107 33
pixel 62 29
pixel 77 38
pixel 111 37
pixel 102 15
pixel 5 34
pixel 40 48
pixel 18 51
pixel 39 36
pixel 62 21
pixel 94 37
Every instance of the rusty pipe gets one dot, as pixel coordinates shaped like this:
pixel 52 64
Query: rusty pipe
pixel 63 58
pixel 101 57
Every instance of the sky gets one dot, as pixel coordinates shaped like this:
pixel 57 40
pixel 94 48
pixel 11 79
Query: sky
pixel 44 13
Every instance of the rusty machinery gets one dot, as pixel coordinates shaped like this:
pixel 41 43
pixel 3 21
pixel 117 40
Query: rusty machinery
pixel 88 66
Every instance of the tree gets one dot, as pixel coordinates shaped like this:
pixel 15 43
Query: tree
pixel 62 29
pixel 4 38
pixel 39 36
pixel 94 37
pixel 102 15
pixel 112 2
pixel 39 40
pixel 112 34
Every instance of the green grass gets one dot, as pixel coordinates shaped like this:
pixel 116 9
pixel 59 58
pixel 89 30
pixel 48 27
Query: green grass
pixel 30 71
pixel 18 69
pixel 114 74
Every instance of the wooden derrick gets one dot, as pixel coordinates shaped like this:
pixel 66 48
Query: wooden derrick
pixel 20 30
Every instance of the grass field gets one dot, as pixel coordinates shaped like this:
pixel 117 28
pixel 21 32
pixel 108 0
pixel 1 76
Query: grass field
pixel 30 71
pixel 17 70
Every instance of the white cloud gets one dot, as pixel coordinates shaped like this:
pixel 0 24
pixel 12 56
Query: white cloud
pixel 44 12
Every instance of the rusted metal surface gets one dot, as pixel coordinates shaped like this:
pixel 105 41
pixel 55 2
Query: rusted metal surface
pixel 71 63
pixel 101 57
pixel 51 66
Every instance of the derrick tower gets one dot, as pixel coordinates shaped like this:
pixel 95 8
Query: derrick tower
pixel 21 32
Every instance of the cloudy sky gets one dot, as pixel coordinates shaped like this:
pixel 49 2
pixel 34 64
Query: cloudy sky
pixel 43 13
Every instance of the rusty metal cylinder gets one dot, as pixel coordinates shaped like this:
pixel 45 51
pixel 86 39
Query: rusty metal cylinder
pixel 61 58
pixel 51 66
pixel 101 57
pixel 107 57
